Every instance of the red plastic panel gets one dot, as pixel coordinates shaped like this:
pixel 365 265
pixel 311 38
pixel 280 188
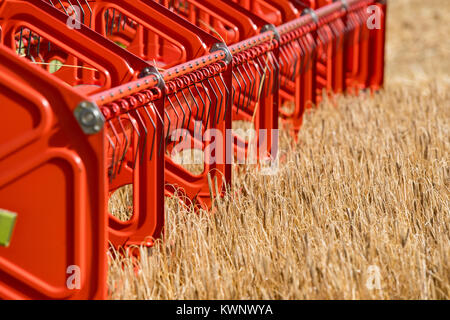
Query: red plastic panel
pixel 53 176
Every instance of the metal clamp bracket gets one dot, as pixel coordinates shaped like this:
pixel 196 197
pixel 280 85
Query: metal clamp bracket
pixel 89 117
pixel 271 27
pixel 312 13
pixel 153 70
pixel 222 46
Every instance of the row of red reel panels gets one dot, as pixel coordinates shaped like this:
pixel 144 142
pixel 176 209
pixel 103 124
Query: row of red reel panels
pixel 97 96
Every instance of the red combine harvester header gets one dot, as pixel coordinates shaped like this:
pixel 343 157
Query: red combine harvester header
pixel 97 95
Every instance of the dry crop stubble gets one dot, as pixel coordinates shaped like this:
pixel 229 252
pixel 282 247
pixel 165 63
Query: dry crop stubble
pixel 366 185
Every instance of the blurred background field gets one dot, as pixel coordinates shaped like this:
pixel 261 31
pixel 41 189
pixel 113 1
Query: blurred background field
pixel 364 192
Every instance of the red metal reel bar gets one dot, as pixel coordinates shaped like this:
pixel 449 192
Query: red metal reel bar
pixel 53 176
pixel 146 29
pixel 84 46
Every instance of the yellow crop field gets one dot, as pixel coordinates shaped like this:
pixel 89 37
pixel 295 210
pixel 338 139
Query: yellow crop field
pixel 359 206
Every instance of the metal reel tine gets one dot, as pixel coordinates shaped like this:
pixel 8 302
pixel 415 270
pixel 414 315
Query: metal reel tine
pixel 222 97
pixel 196 104
pixel 271 60
pixel 252 87
pixel 210 103
pixel 83 14
pixel 90 13
pixel 203 109
pixel 176 113
pixel 182 110
pixel 127 143
pixel 245 87
pixel 154 134
pixel 20 41
pixel 262 76
pixel 144 128
pixel 110 170
pixel 161 119
pixel 215 100
pixel 116 135
pixel 138 142
pixel 190 110
pixel 106 21
pixel 118 21
pixel 62 6
pixel 30 34
pixel 227 95
pixel 239 95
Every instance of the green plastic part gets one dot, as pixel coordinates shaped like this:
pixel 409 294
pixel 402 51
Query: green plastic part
pixel 7 222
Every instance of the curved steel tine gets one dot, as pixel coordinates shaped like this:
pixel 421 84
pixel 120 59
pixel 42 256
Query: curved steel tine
pixel 203 109
pixel 312 47
pixel 124 22
pixel 144 128
pixel 296 58
pixel 245 86
pixel 182 110
pixel 118 21
pixel 90 13
pixel 190 110
pixel 283 56
pixel 154 132
pixel 168 128
pixel 221 99
pixel 227 95
pixel 262 76
pixel 215 100
pixel 274 68
pixel 82 12
pixel 20 41
pixel 295 55
pixel 112 21
pixel 30 34
pixel 73 9
pixel 268 74
pixel 116 135
pixel 210 103
pixel 138 142
pixel 176 113
pixel 302 55
pixel 161 142
pixel 62 6
pixel 106 21
pixel 239 95
pixel 196 104
pixel 127 143
pixel 289 55
pixel 38 45
pixel 252 84
pixel 274 61
pixel 111 170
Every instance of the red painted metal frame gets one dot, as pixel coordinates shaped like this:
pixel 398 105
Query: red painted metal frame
pixel 65 175
pixel 54 177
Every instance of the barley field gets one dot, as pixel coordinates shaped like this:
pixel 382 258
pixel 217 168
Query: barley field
pixel 359 207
